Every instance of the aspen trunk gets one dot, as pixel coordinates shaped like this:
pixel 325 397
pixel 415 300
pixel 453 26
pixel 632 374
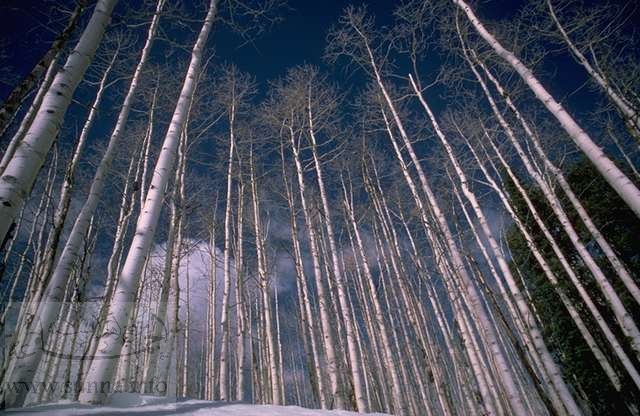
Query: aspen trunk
pixel 535 336
pixel 283 398
pixel 225 327
pixel 615 345
pixel 102 370
pixel 18 94
pixel 187 343
pixel 31 113
pixel 625 108
pixel 60 215
pixel 353 353
pixel 611 173
pixel 167 305
pixel 72 250
pixel 126 210
pixel 211 359
pixel 27 320
pixel 505 373
pixel 398 403
pixel 272 359
pixel 240 298
pixel 306 311
pixel 327 332
pixel 623 317
pixel 458 269
pixel 608 251
pixel 21 172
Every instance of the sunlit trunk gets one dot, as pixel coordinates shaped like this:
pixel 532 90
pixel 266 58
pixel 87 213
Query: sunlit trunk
pixel 102 369
pixel 21 172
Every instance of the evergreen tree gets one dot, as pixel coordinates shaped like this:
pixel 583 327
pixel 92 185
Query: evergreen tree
pixel 615 220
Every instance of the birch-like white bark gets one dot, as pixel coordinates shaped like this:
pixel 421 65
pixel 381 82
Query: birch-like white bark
pixel 611 173
pixel 240 296
pixel 18 94
pixel 440 375
pixel 127 203
pixel 573 312
pixel 622 316
pixel 441 263
pixel 24 256
pixel 225 328
pixel 626 110
pixel 270 345
pixel 356 371
pixel 407 296
pixel 187 341
pixel 26 320
pixel 306 308
pixel 212 306
pixel 26 121
pixel 283 398
pixel 23 168
pixel 610 337
pixel 73 246
pixel 102 369
pixel 398 403
pixel 327 331
pixel 64 201
pixel 505 373
pixel 535 336
pixel 608 251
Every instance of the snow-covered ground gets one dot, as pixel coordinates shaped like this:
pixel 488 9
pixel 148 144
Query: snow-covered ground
pixel 150 405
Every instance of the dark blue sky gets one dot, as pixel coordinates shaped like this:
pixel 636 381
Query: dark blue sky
pixel 25 34
pixel 299 38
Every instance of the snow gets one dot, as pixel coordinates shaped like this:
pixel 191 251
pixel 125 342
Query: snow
pixel 127 404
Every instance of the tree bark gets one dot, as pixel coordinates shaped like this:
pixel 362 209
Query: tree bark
pixel 15 98
pixel 102 369
pixel 21 172
pixel 611 173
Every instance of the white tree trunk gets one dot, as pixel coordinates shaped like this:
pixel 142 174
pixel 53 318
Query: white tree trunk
pixel 21 172
pixel 612 174
pixel 458 269
pixel 240 297
pixel 441 262
pixel 306 311
pixel 608 251
pixel 283 398
pixel 272 354
pixel 398 402
pixel 26 323
pixel 102 369
pixel 327 332
pixel 18 94
pixel 353 353
pixel 626 110
pixel 31 113
pixel 187 343
pixel 60 214
pixel 535 336
pixel 506 374
pixel 212 306
pixel 225 328
pixel 73 246
pixel 615 345
pixel 622 315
